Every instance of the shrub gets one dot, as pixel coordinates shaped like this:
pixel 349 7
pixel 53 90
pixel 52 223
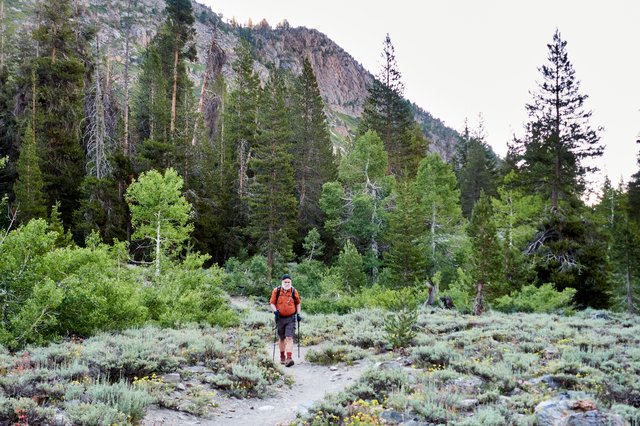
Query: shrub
pixel 248 380
pixel 248 278
pixel 543 299
pixel 96 413
pixel 438 354
pixel 186 293
pixel 334 354
pixel 461 291
pixel 400 327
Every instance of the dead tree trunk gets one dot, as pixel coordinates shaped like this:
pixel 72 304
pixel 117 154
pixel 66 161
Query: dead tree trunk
pixel 433 293
pixel 478 306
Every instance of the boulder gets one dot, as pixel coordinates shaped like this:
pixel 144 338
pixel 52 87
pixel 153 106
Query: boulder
pixel 469 384
pixel 574 409
pixel 171 378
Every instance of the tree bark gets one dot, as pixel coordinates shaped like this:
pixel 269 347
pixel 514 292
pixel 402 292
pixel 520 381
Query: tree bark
pixel 125 143
pixel 433 293
pixel 158 244
pixel 174 96
pixel 478 306
pixel 1 34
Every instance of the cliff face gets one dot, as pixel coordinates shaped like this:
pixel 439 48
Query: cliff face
pixel 342 80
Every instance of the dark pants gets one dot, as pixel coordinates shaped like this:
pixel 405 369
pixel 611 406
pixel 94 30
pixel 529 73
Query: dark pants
pixel 286 327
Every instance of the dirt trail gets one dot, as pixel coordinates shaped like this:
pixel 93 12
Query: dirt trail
pixel 311 384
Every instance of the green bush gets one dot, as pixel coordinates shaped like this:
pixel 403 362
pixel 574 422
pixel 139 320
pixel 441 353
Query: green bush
pixel 439 354
pixel 543 299
pixel 247 278
pixel 187 293
pixel 96 413
pixel 399 327
pixel 334 354
pixel 461 292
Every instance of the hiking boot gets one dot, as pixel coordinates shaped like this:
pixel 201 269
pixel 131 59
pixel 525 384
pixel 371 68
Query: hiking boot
pixel 289 362
pixel 283 360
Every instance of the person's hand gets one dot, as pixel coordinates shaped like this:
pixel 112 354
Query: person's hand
pixel 298 317
pixel 276 315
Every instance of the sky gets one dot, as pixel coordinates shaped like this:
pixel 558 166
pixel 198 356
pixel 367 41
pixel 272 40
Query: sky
pixel 463 58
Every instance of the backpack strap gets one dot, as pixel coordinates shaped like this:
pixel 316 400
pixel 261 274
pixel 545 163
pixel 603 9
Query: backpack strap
pixel 293 295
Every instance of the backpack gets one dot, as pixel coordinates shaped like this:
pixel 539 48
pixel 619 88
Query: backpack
pixel 293 295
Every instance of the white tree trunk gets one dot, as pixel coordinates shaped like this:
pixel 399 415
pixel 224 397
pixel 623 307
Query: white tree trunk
pixel 158 244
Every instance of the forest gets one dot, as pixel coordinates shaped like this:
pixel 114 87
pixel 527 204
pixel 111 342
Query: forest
pixel 141 199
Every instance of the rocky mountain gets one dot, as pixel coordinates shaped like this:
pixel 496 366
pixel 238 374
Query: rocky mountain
pixel 342 80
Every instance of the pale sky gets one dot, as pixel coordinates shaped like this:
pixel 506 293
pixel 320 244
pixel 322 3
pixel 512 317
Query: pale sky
pixel 460 58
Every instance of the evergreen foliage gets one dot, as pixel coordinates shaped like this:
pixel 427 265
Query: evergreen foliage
pixel 404 260
pixel 59 80
pixel 559 138
pixel 28 187
pixel 312 150
pixel 476 167
pixel 486 252
pixel 272 203
pixel 388 114
pixel 443 240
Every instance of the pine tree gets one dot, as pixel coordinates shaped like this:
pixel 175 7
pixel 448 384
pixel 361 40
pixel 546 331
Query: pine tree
pixel 404 261
pixel 28 187
pixel 559 136
pixel 387 113
pixel 634 194
pixel 164 101
pixel 623 244
pixel 59 75
pixel 312 151
pixel 272 201
pixel 439 201
pixel 239 136
pixel 516 216
pixel 476 168
pixel 350 268
pixel 486 252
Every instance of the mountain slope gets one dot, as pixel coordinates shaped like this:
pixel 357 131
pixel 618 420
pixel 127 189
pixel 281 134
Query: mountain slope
pixel 342 80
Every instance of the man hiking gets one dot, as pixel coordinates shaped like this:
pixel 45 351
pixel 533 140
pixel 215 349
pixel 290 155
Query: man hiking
pixel 285 303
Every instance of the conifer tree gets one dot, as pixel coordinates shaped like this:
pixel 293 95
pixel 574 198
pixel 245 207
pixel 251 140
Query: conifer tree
pixel 516 216
pixel 486 252
pixel 271 197
pixel 439 201
pixel 238 138
pixel 559 138
pixel 387 113
pixel 476 168
pixel 59 74
pixel 404 261
pixel 312 151
pixel 634 194
pixel 28 187
pixel 350 268
pixel 164 99
pixel 623 244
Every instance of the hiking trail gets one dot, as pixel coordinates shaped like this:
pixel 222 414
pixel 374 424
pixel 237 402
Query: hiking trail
pixel 311 384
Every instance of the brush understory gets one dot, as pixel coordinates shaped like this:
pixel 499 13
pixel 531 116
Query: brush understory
pixel 453 369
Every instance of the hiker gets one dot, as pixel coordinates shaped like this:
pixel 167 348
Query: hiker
pixel 285 303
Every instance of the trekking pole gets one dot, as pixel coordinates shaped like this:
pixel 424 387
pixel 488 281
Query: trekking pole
pixel 298 339
pixel 275 337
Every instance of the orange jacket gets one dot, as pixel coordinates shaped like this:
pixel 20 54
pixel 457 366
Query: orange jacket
pixel 286 302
